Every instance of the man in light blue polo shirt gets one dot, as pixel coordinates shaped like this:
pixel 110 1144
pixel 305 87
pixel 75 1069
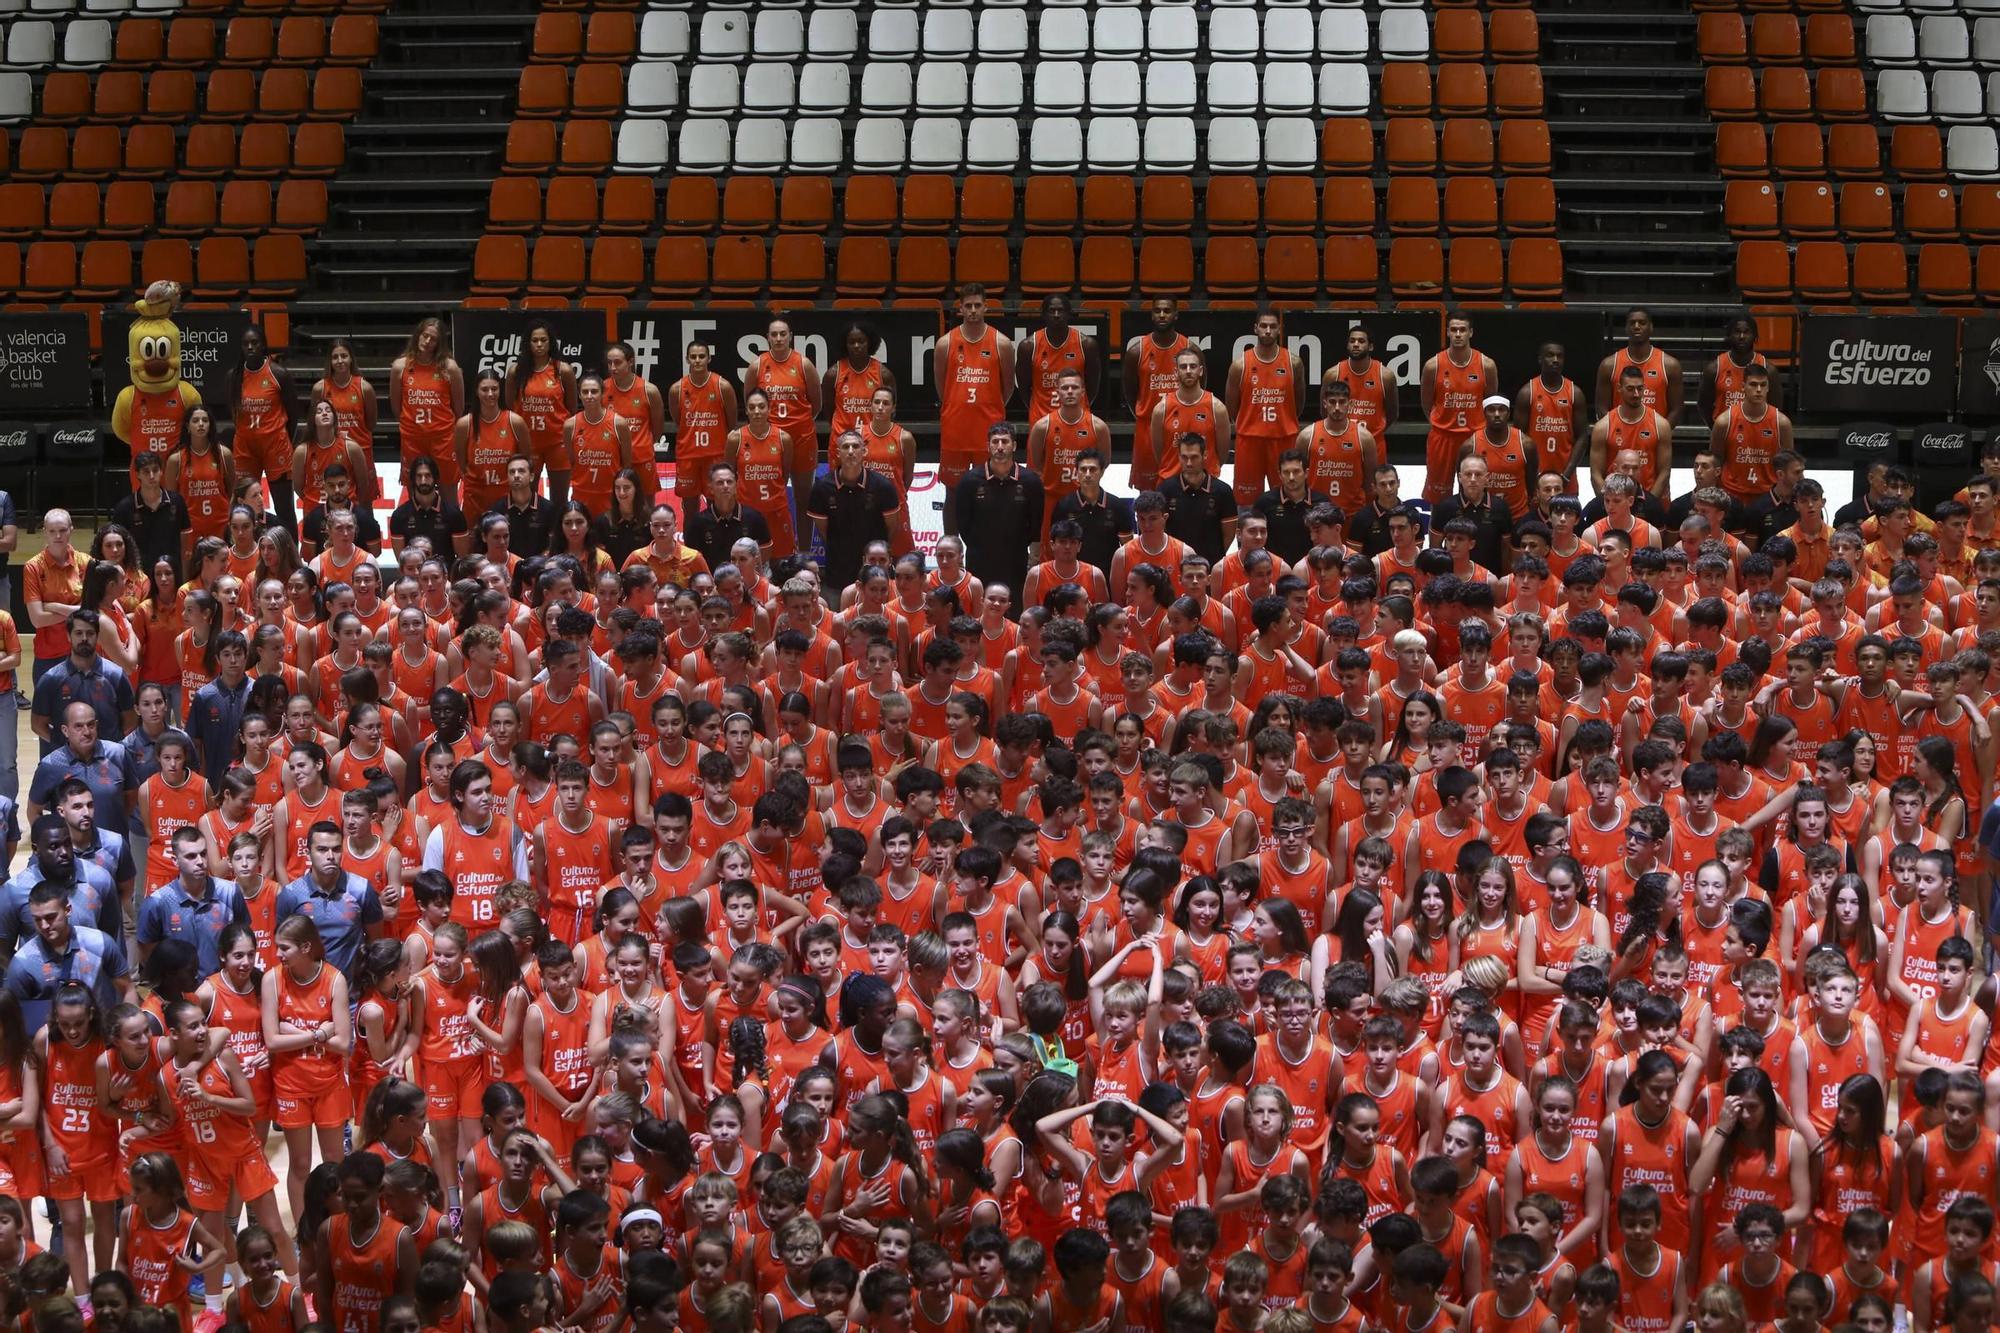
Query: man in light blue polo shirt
pixel 194 908
pixel 340 904
pixel 60 953
pixel 53 860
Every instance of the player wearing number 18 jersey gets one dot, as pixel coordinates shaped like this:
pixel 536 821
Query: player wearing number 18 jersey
pixel 702 406
pixel 1263 392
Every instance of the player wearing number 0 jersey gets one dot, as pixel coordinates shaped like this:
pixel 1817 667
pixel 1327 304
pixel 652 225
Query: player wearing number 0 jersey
pixel 1149 376
pixel 793 384
pixel 427 394
pixel 1455 382
pixel 974 369
pixel 1263 392
pixel 1055 442
pixel 702 406
pixel 1549 409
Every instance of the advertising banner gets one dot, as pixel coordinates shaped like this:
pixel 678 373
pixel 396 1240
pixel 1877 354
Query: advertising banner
pixel 483 340
pixel 1902 366
pixel 903 343
pixel 1979 367
pixel 44 362
pixel 209 340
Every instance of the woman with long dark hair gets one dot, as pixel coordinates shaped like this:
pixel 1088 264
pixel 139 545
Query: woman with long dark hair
pixel 1748 1157
pixel 427 395
pixel 1858 1164
pixel 541 388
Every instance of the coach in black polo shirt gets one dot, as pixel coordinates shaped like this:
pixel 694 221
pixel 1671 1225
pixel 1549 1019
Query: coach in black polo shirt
pixel 718 525
pixel 1477 506
pixel 429 513
pixel 851 507
pixel 1285 509
pixel 1201 510
pixel 999 511
pixel 531 517
pixel 1106 519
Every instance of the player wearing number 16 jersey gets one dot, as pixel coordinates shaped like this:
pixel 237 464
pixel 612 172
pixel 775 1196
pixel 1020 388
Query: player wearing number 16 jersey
pixel 702 406
pixel 974 369
pixel 1057 439
pixel 1263 393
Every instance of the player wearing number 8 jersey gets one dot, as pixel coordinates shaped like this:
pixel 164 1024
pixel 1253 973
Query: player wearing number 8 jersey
pixel 1455 382
pixel 974 370
pixel 702 406
pixel 1340 452
pixel 542 389
pixel 427 394
pixel 1055 442
pixel 1263 391
pixel 477 848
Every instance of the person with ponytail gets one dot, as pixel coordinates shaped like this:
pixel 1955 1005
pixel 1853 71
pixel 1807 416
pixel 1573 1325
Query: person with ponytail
pixel 882 1157
pixel 1748 1157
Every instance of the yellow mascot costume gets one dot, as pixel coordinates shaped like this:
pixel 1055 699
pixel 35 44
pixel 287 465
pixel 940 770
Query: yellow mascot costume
pixel 150 410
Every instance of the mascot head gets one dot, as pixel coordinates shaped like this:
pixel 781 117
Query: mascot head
pixel 153 345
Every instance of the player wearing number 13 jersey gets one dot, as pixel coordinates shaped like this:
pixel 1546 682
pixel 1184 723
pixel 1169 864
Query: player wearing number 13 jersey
pixel 702 406
pixel 541 389
pixel 1057 439
pixel 974 369
pixel 1263 393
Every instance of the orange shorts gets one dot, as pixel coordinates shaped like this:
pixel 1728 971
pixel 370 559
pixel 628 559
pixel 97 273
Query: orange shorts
pixel 303 1101
pixel 269 458
pixel 439 452
pixel 99 1181
pixel 1441 462
pixel 805 453
pixel 1257 465
pixel 209 1184
pixel 454 1087
pixel 784 538
pixel 691 474
pixel 548 451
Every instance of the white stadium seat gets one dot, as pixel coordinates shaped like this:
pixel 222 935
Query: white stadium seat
pixel 1063 34
pixel 725 35
pixel 816 144
pixel 1055 143
pixel 643 145
pixel 1060 86
pixel 833 34
pixel 1170 143
pixel 1116 86
pixel 1973 152
pixel 87 43
pixel 714 90
pixel 1237 38
pixel 17 96
pixel 664 35
pixel 1405 34
pixel 887 87
pixel 1944 40
pixel 1901 94
pixel 1172 32
pixel 652 88
pixel 1892 39
pixel 1169 86
pixel 1344 89
pixel 948 34
pixel 769 90
pixel 880 145
pixel 1986 41
pixel 1232 87
pixel 703 146
pixel 1112 143
pixel 943 87
pixel 779 34
pixel 997 88
pixel 31 43
pixel 760 145
pixel 1956 95
pixel 993 143
pixel 892 34
pixel 1234 144
pixel 1291 143
pixel 1118 33
pixel 824 89
pixel 937 143
pixel 1003 34
pixel 1343 34
pixel 1288 34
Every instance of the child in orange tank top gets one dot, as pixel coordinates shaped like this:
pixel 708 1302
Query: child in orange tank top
pixel 160 1244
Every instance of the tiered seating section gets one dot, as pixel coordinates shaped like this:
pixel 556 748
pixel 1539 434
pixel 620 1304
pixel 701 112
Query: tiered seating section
pixel 1060 148
pixel 1823 211
pixel 179 141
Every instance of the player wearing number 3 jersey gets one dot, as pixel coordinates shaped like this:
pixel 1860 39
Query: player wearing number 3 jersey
pixel 427 394
pixel 974 369
pixel 702 406
pixel 1055 442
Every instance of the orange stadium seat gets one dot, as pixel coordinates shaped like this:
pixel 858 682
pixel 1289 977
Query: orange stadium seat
pixel 1458 34
pixel 981 259
pixel 150 151
pixel 861 268
pixel 1410 145
pixel 1840 94
pixel 1742 150
pixel 1525 147
pixel 612 35
pixel 514 204
pixel 1916 152
pixel 499 265
pixel 283 94
pixel 1730 92
pixel 1798 150
pixel 1410 205
pixel 1722 38
pixel 1050 203
pixel 249 41
pixel 129 209
pixel 43 153
pixel 1775 39
pixel 1930 212
pixel 1347 146
pixel 1979 212
pixel 1986 274
pixel 301 40
pixel 985 205
pixel 1416 266
pixel 48 271
pixel 586 147
pixel 1350 266
pixel 170 96
pixel 1166 264
pixel 1944 272
pixel 1476 266
pixel 1535 268
pixel 867 203
pixel 1867 210
pixel 680 266
pixel 1750 208
pixel 1830 40
pixel 190 208
pixel 74 209
pixel 96 151
pixel 1853 151
pixel 749 203
pixel 1232 203
pixel 693 204
pixel 1764 270
pixel 1807 209
pixel 352 39
pixel 24 210
pixel 221 267
pixel 555 268
pixel 67 96
pixel 1346 203
pixel 140 43
pixel 1104 266
pixel 1471 206
pixel 191 42
pixel 1881 272
pixel 570 206
pixel 805 204
pixel 167 258
pixel 1233 267
pixel 627 205
pixel 1111 202
pixel 930 201
pixel 1467 147
pixel 1820 271
pixel 1291 266
pixel 1528 206
pixel 244 208
pixel 543 92
pixel 1048 264
pixel 558 38
pixel 301 206
pixel 105 270
pixel 1785 94
pixel 1406 89
pixel 1462 89
pixel 1514 35
pixel 923 266
pixel 277 264
pixel 1517 90
pixel 531 147
pixel 229 94
pixel 264 150
pixel 617 265
pixel 1166 203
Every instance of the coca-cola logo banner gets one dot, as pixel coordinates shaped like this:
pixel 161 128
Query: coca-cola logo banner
pixel 1895 366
